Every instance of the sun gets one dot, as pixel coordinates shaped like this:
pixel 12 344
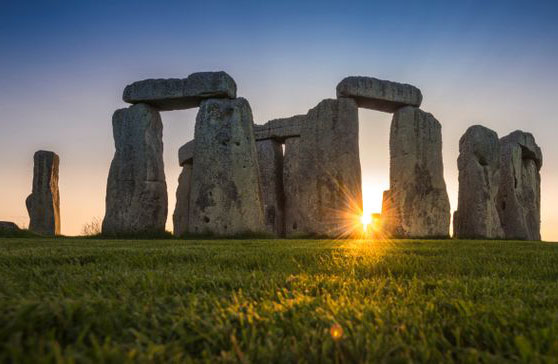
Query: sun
pixel 366 220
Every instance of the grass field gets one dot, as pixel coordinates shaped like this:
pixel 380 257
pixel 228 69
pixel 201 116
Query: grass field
pixel 268 301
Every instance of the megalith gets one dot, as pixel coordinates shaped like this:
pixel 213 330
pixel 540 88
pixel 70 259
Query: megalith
pixel 417 204
pixel 181 214
pixel 322 179
pixel 479 177
pixel 136 200
pixel 176 93
pixel 225 195
pixel 43 204
pixel 519 194
pixel 270 161
pixel 381 95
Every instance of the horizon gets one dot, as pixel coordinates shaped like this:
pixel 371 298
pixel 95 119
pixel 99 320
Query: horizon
pixel 64 77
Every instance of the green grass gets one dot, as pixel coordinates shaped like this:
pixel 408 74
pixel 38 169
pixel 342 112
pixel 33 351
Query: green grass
pixel 84 300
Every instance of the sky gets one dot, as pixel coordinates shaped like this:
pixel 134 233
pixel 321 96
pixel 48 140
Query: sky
pixel 64 65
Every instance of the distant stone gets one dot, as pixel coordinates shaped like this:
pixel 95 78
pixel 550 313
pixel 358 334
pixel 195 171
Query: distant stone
pixel 225 192
pixel 8 227
pixel 186 153
pixel 43 204
pixel 479 178
pixel 375 94
pixel 280 129
pixel 519 195
pixel 322 179
pixel 417 204
pixel 136 200
pixel 270 161
pixel 181 214
pixel 174 93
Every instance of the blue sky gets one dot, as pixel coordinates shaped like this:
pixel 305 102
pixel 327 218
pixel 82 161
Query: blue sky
pixel 64 64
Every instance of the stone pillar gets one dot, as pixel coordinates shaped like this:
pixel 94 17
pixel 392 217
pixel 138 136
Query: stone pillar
pixel 182 210
pixel 417 204
pixel 270 161
pixel 225 194
pixel 136 200
pixel 43 204
pixel 479 178
pixel 519 195
pixel 322 178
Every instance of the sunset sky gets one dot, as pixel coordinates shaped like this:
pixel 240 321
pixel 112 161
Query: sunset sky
pixel 64 65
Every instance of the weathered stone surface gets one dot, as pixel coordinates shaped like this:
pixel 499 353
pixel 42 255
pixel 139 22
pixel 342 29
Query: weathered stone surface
pixel 417 203
pixel 186 153
pixel 174 93
pixel 43 204
pixel 8 227
pixel 136 200
pixel 280 129
pixel 519 195
pixel 479 178
pixel 225 194
pixel 181 214
pixel 375 94
pixel 322 178
pixel 270 161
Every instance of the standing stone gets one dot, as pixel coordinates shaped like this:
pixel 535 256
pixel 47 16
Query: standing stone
pixel 43 204
pixel 519 195
pixel 225 194
pixel 270 161
pixel 417 204
pixel 479 178
pixel 381 95
pixel 136 199
pixel 322 179
pixel 8 227
pixel 182 208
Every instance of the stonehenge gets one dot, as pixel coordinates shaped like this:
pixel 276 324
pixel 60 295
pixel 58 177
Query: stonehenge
pixel 301 175
pixel 43 204
pixel 499 186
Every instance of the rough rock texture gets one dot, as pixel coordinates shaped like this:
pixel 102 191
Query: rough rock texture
pixel 225 195
pixel 519 195
pixel 8 227
pixel 270 161
pixel 43 204
pixel 322 179
pixel 181 214
pixel 175 93
pixel 417 203
pixel 186 153
pixel 280 129
pixel 479 178
pixel 381 95
pixel 136 200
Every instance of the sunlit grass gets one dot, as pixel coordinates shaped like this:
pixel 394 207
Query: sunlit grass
pixel 363 300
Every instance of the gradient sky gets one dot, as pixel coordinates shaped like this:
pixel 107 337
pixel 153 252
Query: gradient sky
pixel 64 65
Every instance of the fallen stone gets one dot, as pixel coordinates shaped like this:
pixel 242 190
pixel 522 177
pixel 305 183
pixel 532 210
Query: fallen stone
pixel 186 153
pixel 417 204
pixel 181 214
pixel 174 93
pixel 479 178
pixel 136 200
pixel 270 161
pixel 322 179
pixel 225 194
pixel 8 227
pixel 375 94
pixel 280 129
pixel 519 194
pixel 43 205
